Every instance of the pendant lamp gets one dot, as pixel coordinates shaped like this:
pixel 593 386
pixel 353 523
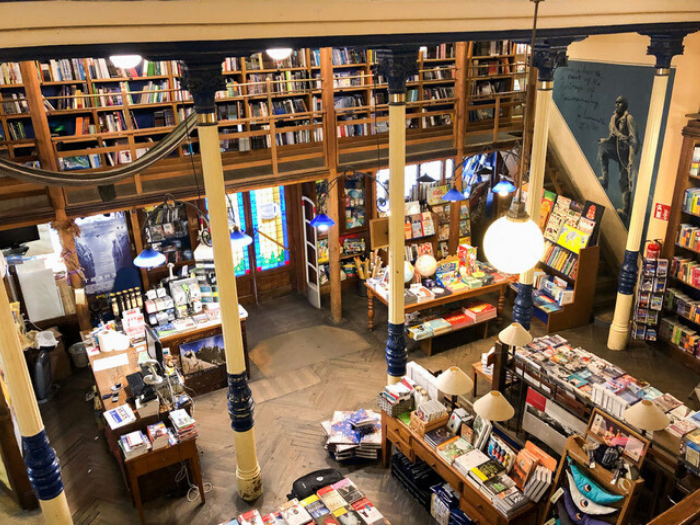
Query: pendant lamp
pixel 322 221
pixel 454 382
pixel 504 188
pixel 126 61
pixel 514 243
pixel 279 53
pixel 149 258
pixel 454 195
pixel 425 178
pixel 240 239
pixel 494 407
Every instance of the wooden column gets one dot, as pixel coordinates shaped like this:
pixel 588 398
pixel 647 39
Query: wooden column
pixel 333 203
pixel 42 464
pixel 396 64
pixel 460 138
pixel 664 47
pixel 66 228
pixel 203 80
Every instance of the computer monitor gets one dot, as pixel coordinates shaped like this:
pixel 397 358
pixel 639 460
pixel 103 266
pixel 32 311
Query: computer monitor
pixel 154 346
pixel 12 239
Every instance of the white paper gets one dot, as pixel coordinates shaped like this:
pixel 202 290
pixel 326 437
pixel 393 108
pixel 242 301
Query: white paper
pixel 41 296
pixel 110 362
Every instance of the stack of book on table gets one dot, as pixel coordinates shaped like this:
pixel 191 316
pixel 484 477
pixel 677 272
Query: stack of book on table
pixel 158 435
pixel 354 434
pixel 134 444
pixel 538 484
pixel 183 424
pixel 479 311
pixel 401 391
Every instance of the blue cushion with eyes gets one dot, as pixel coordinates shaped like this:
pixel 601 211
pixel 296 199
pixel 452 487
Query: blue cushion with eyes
pixel 590 489
pixel 585 504
pixel 576 516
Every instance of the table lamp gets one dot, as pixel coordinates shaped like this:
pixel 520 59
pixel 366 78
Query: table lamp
pixel 454 382
pixel 494 407
pixel 646 416
pixel 515 335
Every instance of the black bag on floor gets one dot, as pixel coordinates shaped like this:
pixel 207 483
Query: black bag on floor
pixel 307 485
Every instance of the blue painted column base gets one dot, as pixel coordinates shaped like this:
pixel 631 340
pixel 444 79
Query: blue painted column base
pixel 42 466
pixel 523 307
pixel 240 402
pixel 396 354
pixel 628 273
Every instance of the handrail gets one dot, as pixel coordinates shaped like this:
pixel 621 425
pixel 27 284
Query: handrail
pixel 685 512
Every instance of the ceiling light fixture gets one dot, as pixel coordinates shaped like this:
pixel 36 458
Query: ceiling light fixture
pixel 126 61
pixel 514 243
pixel 279 53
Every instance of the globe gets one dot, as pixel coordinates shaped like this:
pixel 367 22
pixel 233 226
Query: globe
pixel 407 272
pixel 426 265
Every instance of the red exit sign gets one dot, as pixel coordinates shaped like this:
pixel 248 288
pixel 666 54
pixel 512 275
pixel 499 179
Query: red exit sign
pixel 662 211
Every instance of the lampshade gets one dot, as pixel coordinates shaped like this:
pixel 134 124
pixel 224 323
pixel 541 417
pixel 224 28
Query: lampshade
pixel 240 239
pixel 514 243
pixel 279 53
pixel 322 222
pixel 425 178
pixel 494 407
pixel 515 335
pixel 484 170
pixel 453 195
pixel 504 187
pixel 454 382
pixel 203 252
pixel 126 61
pixel 149 258
pixel 645 415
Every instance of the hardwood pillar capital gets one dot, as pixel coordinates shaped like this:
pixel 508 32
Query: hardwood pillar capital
pixel 397 64
pixel 203 80
pixel 664 46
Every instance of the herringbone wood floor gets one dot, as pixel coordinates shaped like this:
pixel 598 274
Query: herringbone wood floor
pixel 290 406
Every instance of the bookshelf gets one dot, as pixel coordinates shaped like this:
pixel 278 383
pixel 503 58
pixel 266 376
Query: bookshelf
pixel 678 333
pixel 17 140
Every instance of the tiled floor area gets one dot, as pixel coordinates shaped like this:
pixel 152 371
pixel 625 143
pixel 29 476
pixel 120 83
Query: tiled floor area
pixel 304 368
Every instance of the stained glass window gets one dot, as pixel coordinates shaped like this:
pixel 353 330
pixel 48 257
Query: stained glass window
pixel 269 219
pixel 236 214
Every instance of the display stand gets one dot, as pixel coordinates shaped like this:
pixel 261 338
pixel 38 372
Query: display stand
pixel 574 450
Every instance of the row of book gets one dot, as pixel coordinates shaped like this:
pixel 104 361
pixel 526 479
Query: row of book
pixel 569 223
pixel 438 52
pixel 17 130
pixel 691 199
pixel 491 48
pixel 337 504
pixel 689 237
pixel 10 73
pixel 560 259
pixel 282 82
pixel 353 434
pixel 439 73
pixel 473 313
pixel 694 162
pixel 684 337
pixel 551 361
pixel 681 304
pixel 438 93
pixel 686 270
pixel 419 225
pixel 14 104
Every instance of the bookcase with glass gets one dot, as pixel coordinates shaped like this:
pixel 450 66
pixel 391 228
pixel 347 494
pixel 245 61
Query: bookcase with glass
pixel 678 328
pixel 564 286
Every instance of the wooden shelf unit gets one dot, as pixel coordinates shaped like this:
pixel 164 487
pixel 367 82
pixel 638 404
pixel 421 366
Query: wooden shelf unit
pixel 685 180
pixel 17 139
pixel 272 117
pixel 579 312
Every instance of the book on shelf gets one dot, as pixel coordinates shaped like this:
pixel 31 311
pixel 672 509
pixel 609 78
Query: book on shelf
pixel 10 73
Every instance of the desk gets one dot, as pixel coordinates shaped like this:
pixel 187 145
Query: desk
pixel 443 299
pixel 152 461
pixel 471 500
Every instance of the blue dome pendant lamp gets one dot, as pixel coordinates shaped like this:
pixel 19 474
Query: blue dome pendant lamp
pixel 149 258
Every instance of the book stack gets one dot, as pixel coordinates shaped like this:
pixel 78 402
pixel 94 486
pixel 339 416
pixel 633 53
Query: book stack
pixel 510 501
pixel 438 326
pixel 353 434
pixel 468 461
pixel 453 448
pixel 252 517
pixel 158 435
pixel 486 471
pixel 294 513
pixel 689 237
pixel 437 437
pixel 690 448
pixel 368 512
pixel 183 425
pixel 458 320
pixel 401 391
pixel 430 411
pixel 538 484
pixel 479 311
pixel 274 518
pixel 134 444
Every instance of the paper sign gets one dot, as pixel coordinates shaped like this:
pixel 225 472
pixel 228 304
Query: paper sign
pixel 662 211
pixel 558 494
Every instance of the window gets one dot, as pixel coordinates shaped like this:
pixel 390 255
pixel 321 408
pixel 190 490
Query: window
pixel 269 221
pixel 449 169
pixel 432 169
pixel 236 214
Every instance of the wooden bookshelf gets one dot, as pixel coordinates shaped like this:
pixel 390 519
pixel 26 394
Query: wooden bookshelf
pixel 17 139
pixel 687 178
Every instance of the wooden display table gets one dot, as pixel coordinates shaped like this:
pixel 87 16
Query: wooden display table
pixel 164 457
pixel 471 500
pixel 443 299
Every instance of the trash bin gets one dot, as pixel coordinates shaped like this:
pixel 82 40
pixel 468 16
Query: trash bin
pixel 78 355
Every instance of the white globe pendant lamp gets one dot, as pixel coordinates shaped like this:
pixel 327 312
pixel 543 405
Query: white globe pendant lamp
pixel 279 53
pixel 514 243
pixel 126 61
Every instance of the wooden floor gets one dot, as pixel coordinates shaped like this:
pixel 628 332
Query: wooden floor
pixel 313 368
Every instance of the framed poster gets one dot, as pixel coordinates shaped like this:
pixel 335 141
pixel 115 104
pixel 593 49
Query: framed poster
pixel 608 430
